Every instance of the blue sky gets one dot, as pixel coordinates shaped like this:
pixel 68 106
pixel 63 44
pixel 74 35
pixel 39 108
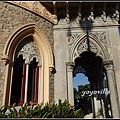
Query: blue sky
pixel 80 79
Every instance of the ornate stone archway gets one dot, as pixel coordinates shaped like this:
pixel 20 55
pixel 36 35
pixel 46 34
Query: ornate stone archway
pixel 96 43
pixel 78 43
pixel 46 54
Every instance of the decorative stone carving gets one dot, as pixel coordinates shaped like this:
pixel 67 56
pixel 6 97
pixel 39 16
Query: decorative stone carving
pixel 79 69
pixel 28 49
pixel 67 18
pixel 108 64
pixel 79 18
pixel 73 38
pixel 117 15
pixel 103 37
pixel 91 17
pixel 84 46
pixel 35 7
pixel 67 12
pixel 104 17
pixel 78 43
pixel 5 59
pixel 70 66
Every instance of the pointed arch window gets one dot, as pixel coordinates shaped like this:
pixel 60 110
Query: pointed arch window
pixel 26 76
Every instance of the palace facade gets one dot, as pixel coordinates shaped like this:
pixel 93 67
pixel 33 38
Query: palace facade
pixel 44 45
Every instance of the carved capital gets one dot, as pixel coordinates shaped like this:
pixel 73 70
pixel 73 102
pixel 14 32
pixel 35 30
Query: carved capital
pixel 5 59
pixel 70 65
pixel 108 65
pixel 50 68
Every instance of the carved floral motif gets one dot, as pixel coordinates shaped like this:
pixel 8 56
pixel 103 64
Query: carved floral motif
pixel 73 38
pixel 103 38
pixel 84 46
pixel 28 48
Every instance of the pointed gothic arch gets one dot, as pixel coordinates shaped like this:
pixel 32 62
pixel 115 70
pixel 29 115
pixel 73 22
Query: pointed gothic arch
pixel 80 45
pixel 33 31
pixel 95 51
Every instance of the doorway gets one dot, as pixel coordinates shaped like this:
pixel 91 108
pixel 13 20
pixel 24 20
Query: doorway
pixel 90 97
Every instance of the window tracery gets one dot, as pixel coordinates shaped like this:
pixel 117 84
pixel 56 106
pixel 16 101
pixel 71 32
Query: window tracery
pixel 25 73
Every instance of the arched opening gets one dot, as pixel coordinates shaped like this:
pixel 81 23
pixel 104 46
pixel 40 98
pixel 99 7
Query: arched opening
pixel 17 80
pixel 25 76
pixel 45 64
pixel 93 95
pixel 82 100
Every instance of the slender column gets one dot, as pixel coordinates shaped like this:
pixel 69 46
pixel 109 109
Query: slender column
pixel 55 13
pixel 117 12
pixel 79 17
pixel 102 96
pixel 112 87
pixel 69 78
pixel 104 13
pixel 67 12
pixel 40 97
pixel 92 100
pixel 97 105
pixel 26 82
pixel 92 14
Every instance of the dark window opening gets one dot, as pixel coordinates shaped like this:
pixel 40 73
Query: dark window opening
pixel 17 80
pixel 32 81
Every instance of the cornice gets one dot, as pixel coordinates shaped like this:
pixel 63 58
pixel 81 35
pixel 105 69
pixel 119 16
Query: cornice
pixel 35 7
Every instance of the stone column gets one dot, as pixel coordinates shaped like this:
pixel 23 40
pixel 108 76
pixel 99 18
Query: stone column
pixel 108 65
pixel 26 82
pixel 96 101
pixel 69 79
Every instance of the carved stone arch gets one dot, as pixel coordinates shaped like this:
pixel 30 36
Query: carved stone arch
pixel 37 60
pixel 24 56
pixel 45 51
pixel 33 30
pixel 80 46
pixel 29 49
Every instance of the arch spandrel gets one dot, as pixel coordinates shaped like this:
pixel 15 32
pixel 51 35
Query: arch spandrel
pixel 81 44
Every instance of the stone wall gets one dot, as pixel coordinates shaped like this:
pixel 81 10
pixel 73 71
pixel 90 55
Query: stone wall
pixel 11 18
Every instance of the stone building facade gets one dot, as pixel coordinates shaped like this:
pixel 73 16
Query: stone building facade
pixel 48 41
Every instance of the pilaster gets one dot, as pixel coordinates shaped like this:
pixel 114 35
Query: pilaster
pixel 108 65
pixel 69 80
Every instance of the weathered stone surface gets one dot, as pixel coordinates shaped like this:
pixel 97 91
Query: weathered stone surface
pixel 12 18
